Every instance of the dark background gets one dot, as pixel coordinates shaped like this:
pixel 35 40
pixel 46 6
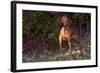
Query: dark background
pixel 41 31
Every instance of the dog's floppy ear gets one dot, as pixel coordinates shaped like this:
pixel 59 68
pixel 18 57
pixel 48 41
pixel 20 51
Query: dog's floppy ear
pixel 58 20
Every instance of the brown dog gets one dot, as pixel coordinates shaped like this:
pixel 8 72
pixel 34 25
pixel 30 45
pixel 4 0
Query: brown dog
pixel 66 33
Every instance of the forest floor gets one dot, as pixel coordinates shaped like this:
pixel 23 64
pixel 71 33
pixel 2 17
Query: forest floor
pixel 54 54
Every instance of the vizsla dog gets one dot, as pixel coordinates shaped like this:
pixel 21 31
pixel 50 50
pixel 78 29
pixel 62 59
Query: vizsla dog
pixel 67 33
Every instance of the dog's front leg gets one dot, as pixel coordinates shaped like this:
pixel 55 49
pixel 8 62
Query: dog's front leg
pixel 60 43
